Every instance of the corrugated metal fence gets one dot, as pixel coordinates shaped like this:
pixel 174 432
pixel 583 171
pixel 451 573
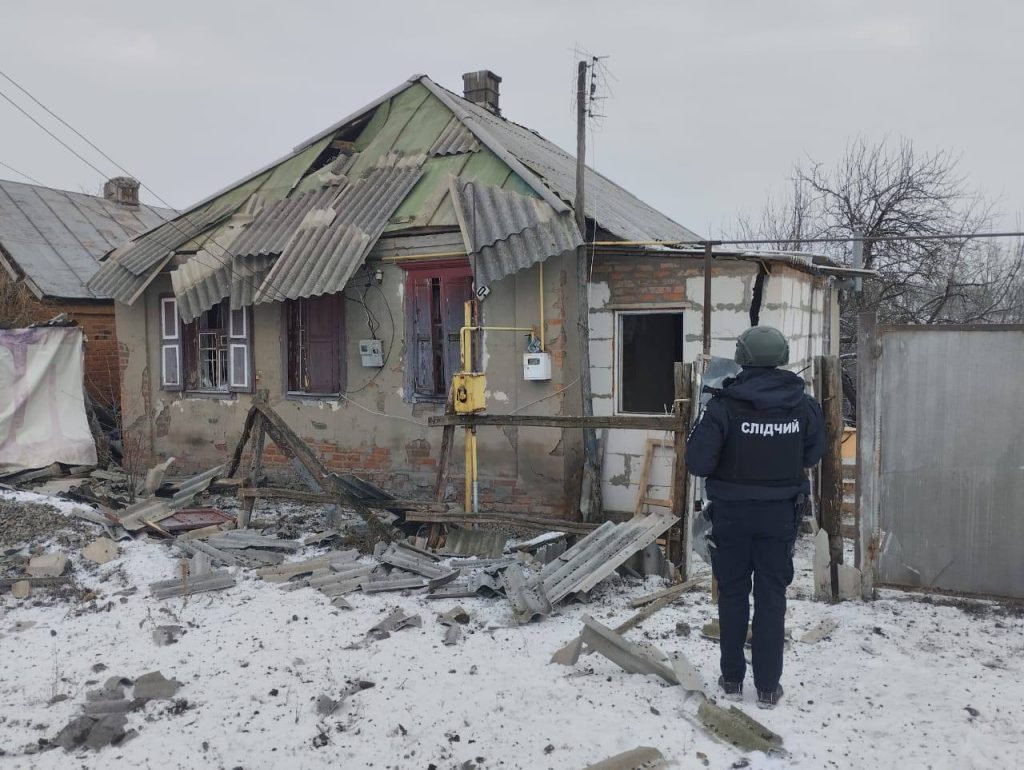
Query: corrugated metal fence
pixel 941 454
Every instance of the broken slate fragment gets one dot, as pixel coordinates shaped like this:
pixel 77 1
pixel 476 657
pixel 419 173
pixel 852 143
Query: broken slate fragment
pixel 326 705
pixel 394 622
pixel 452 635
pixel 106 732
pixel 74 733
pixel 100 551
pixel 154 686
pixel 164 635
pixel 48 565
pixel 455 615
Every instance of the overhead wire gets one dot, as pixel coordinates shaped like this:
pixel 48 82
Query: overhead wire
pixel 22 173
pixel 172 222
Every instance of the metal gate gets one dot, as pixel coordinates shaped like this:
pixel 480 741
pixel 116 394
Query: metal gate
pixel 941 457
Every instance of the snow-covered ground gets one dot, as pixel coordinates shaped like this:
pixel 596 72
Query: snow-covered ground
pixel 904 682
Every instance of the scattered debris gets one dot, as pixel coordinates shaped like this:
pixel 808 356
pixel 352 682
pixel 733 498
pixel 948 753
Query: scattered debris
pixel 100 551
pixel 155 686
pixel 486 543
pixel 151 511
pixel 243 539
pixel 819 631
pixel 630 657
pixel 640 758
pixel 191 519
pixel 452 634
pixel 155 477
pixel 165 635
pixel 737 728
pixel 526 593
pixel 21 590
pixel 397 620
pixel 712 630
pixel 48 565
pixel 211 581
pixel 673 591
pixel 455 615
pixel 411 559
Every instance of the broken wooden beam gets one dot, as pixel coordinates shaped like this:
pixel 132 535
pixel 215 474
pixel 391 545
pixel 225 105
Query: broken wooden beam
pixel 555 421
pixel 320 497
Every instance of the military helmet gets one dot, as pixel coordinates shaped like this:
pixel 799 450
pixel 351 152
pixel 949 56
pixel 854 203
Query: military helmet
pixel 762 346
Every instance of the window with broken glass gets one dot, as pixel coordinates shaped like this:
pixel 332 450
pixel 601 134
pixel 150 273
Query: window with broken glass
pixel 207 336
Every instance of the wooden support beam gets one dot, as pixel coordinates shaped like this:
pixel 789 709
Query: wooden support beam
pixel 255 466
pixel 277 493
pixel 679 535
pixel 832 465
pixel 236 456
pixel 555 421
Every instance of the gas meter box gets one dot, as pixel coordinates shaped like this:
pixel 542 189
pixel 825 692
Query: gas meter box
pixel 536 366
pixel 468 392
pixel 372 353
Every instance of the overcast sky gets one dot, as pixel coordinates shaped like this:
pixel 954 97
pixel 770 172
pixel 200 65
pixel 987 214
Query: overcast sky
pixel 710 104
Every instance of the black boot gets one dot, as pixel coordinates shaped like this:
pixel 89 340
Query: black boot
pixel 767 699
pixel 733 690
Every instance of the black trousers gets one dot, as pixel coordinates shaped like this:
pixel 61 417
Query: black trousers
pixel 753 539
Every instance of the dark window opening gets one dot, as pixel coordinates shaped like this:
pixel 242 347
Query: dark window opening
pixel 436 314
pixel 315 344
pixel 207 340
pixel 650 344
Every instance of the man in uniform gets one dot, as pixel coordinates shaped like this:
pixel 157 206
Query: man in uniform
pixel 757 435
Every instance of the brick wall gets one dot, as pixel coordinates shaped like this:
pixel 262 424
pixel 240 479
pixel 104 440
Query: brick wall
pixel 635 281
pixel 102 360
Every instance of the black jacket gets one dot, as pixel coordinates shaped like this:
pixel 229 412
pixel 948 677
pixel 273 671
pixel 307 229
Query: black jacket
pixel 756 437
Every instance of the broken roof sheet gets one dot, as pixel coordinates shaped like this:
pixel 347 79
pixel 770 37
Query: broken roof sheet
pixel 456 139
pixel 56 238
pixel 506 232
pixel 330 243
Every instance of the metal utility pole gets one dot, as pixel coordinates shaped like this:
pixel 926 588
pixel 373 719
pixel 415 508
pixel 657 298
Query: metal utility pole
pixel 590 489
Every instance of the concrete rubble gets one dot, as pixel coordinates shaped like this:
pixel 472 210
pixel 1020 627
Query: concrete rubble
pixel 21 589
pixel 48 565
pixel 100 551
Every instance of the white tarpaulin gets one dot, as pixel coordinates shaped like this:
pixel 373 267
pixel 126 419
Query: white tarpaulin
pixel 42 406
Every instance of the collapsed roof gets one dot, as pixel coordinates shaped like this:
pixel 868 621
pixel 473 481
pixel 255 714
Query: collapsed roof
pixel 417 160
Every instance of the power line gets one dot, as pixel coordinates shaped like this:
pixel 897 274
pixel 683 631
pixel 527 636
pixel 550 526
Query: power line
pixel 22 173
pixel 223 263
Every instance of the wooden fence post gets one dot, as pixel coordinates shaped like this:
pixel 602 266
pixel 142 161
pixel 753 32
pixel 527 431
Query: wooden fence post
pixel 832 465
pixel 679 535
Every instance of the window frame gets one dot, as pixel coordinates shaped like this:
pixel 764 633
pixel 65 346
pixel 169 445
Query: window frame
pixel 618 350
pixel 444 271
pixel 341 351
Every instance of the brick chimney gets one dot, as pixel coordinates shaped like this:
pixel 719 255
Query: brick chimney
pixel 481 87
pixel 122 190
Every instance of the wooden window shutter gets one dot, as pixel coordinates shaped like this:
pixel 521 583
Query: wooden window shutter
pixel 423 378
pixel 325 348
pixel 455 291
pixel 240 378
pixel 170 345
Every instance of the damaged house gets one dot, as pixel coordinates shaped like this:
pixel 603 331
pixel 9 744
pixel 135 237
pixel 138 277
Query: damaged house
pixel 334 283
pixel 51 242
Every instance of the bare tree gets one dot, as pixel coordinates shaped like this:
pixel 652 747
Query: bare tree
pixel 888 191
pixel 15 303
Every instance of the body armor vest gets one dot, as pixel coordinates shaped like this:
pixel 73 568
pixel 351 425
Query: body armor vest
pixel 763 447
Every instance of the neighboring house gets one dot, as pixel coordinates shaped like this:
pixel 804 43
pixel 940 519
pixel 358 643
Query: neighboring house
pixel 51 242
pixel 335 279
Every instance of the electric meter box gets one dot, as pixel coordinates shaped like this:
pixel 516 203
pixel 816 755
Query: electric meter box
pixel 536 366
pixel 372 353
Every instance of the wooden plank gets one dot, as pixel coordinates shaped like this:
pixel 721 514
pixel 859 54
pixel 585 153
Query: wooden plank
pixel 832 465
pixel 236 456
pixel 679 535
pixel 673 591
pixel 868 428
pixel 491 517
pixel 299 495
pixel 626 422
pixel 255 466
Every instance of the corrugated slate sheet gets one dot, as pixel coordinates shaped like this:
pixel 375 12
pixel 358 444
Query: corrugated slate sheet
pixel 121 277
pixel 615 209
pixel 600 553
pixel 455 139
pixel 56 238
pixel 508 232
pixel 330 243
